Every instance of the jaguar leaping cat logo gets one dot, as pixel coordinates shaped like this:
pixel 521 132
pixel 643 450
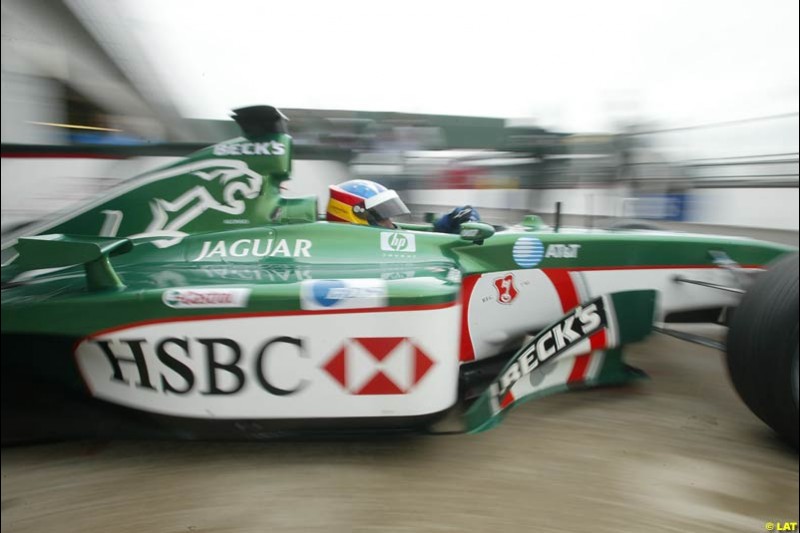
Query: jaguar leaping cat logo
pixel 238 183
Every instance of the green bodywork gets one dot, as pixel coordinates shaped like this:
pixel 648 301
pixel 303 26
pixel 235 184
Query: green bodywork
pixel 83 303
pixel 218 220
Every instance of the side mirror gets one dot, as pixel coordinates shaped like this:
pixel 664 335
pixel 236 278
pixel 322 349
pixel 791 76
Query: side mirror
pixel 476 232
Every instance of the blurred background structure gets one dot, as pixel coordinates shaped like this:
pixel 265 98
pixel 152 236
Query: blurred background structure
pixel 624 124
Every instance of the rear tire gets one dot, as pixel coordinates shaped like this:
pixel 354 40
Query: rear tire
pixel 762 347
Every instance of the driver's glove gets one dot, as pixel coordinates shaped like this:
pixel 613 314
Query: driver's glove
pixel 451 222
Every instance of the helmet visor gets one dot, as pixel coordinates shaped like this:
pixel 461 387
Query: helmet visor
pixel 385 205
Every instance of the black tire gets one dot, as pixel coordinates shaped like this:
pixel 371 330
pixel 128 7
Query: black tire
pixel 762 347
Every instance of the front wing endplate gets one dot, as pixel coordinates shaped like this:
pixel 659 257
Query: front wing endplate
pixel 581 349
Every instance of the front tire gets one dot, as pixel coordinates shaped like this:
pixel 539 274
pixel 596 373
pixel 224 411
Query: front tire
pixel 762 347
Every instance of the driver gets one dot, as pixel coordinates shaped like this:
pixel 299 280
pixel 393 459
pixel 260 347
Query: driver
pixel 367 202
pixel 364 202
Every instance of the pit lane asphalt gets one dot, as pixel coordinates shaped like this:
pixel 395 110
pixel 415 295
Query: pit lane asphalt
pixel 679 452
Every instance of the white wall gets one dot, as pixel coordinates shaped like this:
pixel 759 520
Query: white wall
pixel 314 177
pixel 757 208
pixel 34 187
pixel 596 201
pixel 769 208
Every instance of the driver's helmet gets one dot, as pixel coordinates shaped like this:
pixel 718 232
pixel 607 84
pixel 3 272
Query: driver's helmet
pixel 364 202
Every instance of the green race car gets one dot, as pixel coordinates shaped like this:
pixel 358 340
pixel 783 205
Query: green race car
pixel 196 301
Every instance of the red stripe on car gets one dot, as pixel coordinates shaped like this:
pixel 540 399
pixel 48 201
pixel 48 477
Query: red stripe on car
pixel 598 340
pixel 579 368
pixel 565 287
pixel 466 351
pixel 507 400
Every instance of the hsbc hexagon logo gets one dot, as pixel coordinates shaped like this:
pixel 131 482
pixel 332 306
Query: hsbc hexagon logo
pixel 378 365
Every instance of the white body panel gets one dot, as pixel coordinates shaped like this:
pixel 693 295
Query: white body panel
pixel 315 368
pixel 672 296
pixel 494 325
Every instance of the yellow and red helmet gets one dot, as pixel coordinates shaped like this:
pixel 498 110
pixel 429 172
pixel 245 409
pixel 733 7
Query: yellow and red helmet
pixel 363 202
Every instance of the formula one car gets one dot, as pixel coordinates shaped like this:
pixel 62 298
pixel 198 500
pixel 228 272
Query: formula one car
pixel 196 301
